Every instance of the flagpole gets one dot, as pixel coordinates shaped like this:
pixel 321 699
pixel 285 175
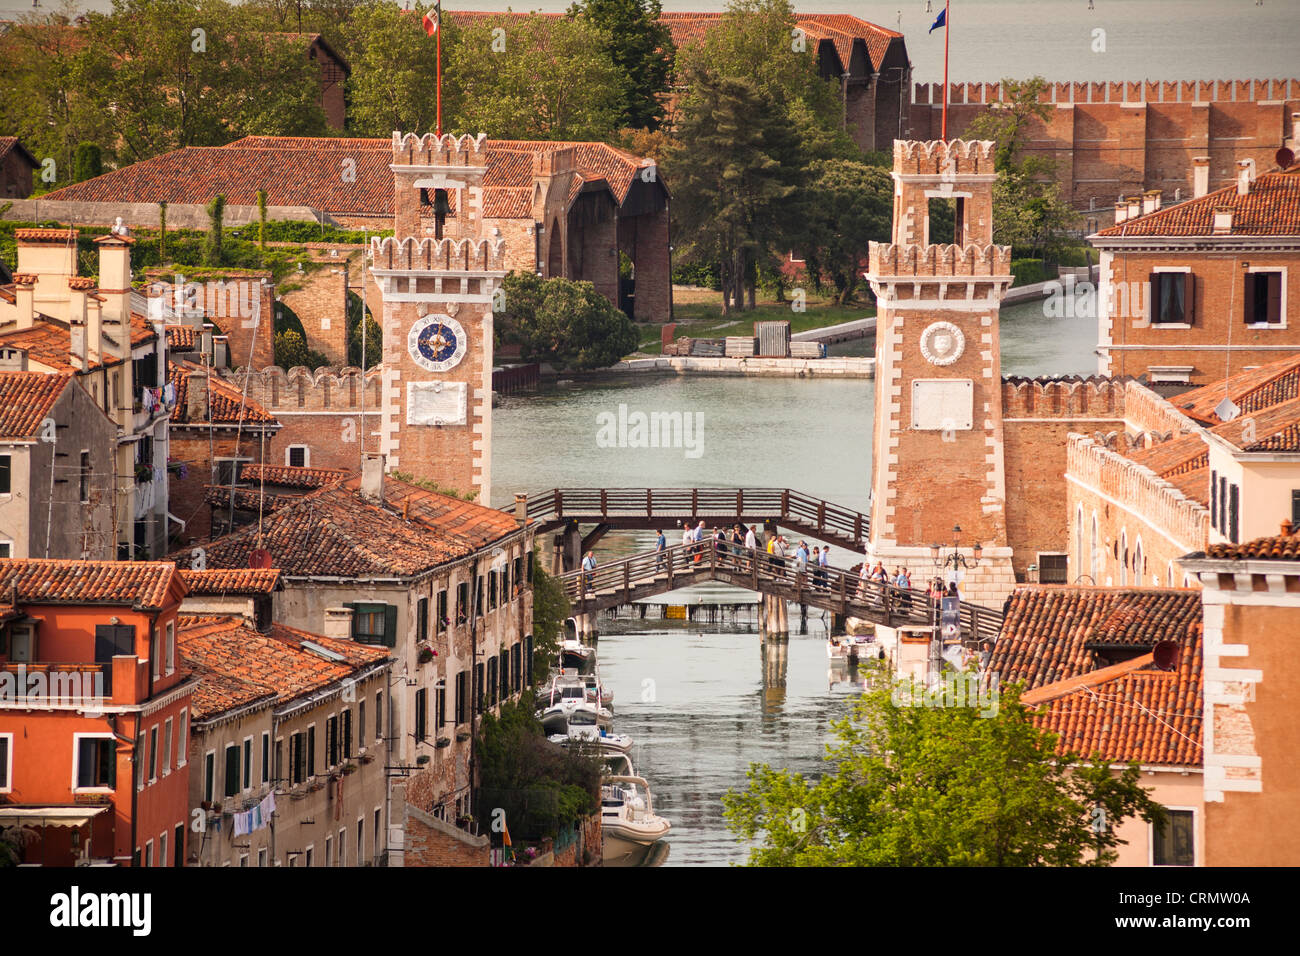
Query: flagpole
pixel 947 29
pixel 438 5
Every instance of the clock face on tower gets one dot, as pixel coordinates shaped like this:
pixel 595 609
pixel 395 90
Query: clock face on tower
pixel 437 342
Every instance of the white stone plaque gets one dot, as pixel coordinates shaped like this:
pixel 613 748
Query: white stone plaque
pixel 943 404
pixel 435 403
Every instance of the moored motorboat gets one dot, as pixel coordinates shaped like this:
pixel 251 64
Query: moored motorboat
pixel 627 817
pixel 852 647
pixel 584 726
pixel 575 654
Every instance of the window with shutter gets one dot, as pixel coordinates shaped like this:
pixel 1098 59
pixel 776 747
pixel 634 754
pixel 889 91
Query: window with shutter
pixel 311 751
pixel 492 681
pixel 1263 298
pixel 209 776
pixel 528 657
pixel 232 770
pixel 331 742
pixel 248 763
pixel 1233 515
pixel 422 619
pixel 421 714
pixel 440 706
pixel 441 615
pixel 347 734
pixel 505 674
pixel 1214 500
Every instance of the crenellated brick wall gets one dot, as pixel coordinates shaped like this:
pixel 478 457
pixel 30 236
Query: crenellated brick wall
pixel 321 302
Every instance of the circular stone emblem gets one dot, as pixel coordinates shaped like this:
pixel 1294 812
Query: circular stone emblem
pixel 437 342
pixel 942 343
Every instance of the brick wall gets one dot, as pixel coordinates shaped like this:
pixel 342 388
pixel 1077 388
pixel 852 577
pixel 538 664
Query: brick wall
pixel 194 447
pixel 1038 417
pixel 1131 505
pixel 320 301
pixel 238 302
pixel 1228 344
pixel 1094 127
pixel 434 842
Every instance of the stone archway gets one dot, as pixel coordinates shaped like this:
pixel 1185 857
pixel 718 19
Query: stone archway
pixel 555 252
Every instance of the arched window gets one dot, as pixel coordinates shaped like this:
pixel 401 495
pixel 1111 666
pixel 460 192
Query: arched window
pixel 1139 563
pixel 1169 574
pixel 1078 541
pixel 1122 554
pixel 1094 562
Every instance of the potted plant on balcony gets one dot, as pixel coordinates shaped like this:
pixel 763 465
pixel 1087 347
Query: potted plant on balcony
pixel 443 742
pixel 426 654
pixel 462 735
pixel 422 759
pixel 143 473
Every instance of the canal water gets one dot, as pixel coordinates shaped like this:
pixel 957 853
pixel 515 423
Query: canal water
pixel 700 700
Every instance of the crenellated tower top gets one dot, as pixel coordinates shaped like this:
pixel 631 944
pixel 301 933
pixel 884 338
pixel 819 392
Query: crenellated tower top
pixel 958 171
pixel 446 150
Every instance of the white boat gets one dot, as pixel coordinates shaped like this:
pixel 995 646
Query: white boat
pixel 618 765
pixel 584 726
pixel 853 647
pixel 627 817
pixel 575 654
pixel 596 692
pixel 564 694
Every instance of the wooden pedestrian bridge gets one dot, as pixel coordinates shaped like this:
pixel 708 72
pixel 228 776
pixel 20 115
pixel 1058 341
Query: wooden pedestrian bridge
pixel 833 589
pixel 647 509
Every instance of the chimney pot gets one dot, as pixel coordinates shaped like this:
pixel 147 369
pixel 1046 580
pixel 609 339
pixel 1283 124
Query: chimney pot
pixel 521 509
pixel 1245 176
pixel 338 623
pixel 196 397
pixel 1286 527
pixel 372 477
pixel 1200 176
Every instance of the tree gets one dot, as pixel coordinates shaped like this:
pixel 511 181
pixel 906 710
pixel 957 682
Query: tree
pixel 564 322
pixel 1029 208
pixel 845 205
pixel 290 349
pixel 394 72
pixel 939 786
pixel 550 610
pixel 374 335
pixel 87 162
pixel 734 171
pixel 536 77
pixel 212 248
pixel 640 45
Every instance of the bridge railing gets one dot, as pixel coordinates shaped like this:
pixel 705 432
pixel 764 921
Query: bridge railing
pixel 832 587
pixel 783 505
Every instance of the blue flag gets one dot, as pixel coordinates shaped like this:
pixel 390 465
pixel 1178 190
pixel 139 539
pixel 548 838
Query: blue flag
pixel 940 21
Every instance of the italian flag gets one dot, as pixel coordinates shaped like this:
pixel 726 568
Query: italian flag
pixel 431 19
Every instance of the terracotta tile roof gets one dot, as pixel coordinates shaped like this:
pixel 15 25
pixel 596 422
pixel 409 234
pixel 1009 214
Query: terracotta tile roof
pixel 49 342
pixel 226 399
pixel 1268 429
pixel 290 477
pixel 1250 390
pixel 232 581
pixel 139 584
pixel 840 29
pixel 1270 208
pixel 1051 632
pixel 44 234
pixel 10 144
pixel 246 499
pixel 1195 484
pixel 182 338
pixel 238 169
pixel 1129 711
pixel 25 399
pixel 1282 547
pixel 335 532
pixel 237 664
pixel 1174 457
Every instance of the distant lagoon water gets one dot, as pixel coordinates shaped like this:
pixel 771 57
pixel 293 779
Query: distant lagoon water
pixel 992 39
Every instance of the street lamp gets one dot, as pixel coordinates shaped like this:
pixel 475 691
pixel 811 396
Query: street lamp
pixel 955 559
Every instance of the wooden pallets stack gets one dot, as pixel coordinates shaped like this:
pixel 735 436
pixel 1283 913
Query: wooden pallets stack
pixel 740 346
pixel 807 350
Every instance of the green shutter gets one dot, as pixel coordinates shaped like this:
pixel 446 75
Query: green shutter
pixel 390 625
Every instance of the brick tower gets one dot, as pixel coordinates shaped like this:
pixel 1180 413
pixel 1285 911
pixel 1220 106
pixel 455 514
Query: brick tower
pixel 937 450
pixel 438 274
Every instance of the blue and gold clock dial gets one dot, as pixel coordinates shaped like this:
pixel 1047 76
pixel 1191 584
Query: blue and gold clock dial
pixel 437 342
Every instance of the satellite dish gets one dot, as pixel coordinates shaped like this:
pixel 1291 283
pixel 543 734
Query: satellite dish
pixel 259 558
pixel 1166 655
pixel 1285 158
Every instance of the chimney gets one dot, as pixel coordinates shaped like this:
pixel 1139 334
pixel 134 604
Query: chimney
pixel 79 318
pixel 1121 211
pixel 1222 220
pixel 521 509
pixel 206 340
pixel 1286 527
pixel 372 477
pixel 1134 206
pixel 25 299
pixel 1245 176
pixel 338 623
pixel 115 274
pixel 196 397
pixel 1200 176
pixel 1150 201
pixel 221 351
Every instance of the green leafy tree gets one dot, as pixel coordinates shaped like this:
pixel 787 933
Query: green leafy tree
pixel 845 205
pixel 1029 208
pixel 641 47
pixel 394 71
pixel 564 322
pixel 374 335
pixel 290 349
pixel 734 172
pixel 550 610
pixel 939 786
pixel 87 162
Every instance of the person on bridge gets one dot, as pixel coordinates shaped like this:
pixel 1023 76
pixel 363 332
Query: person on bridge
pixel 903 581
pixel 823 562
pixel 698 538
pixel 588 570
pixel 661 545
pixel 751 539
pixel 778 551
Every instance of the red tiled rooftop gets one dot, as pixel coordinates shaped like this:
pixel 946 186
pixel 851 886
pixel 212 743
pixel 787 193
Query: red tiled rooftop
pixel 1049 631
pixel 231 581
pixel 335 532
pixel 238 664
pixel 182 338
pixel 1270 208
pixel 289 476
pixel 49 342
pixel 138 584
pixel 227 402
pixel 26 398
pixel 1250 391
pixel 1273 428
pixel 10 144
pixel 1282 547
